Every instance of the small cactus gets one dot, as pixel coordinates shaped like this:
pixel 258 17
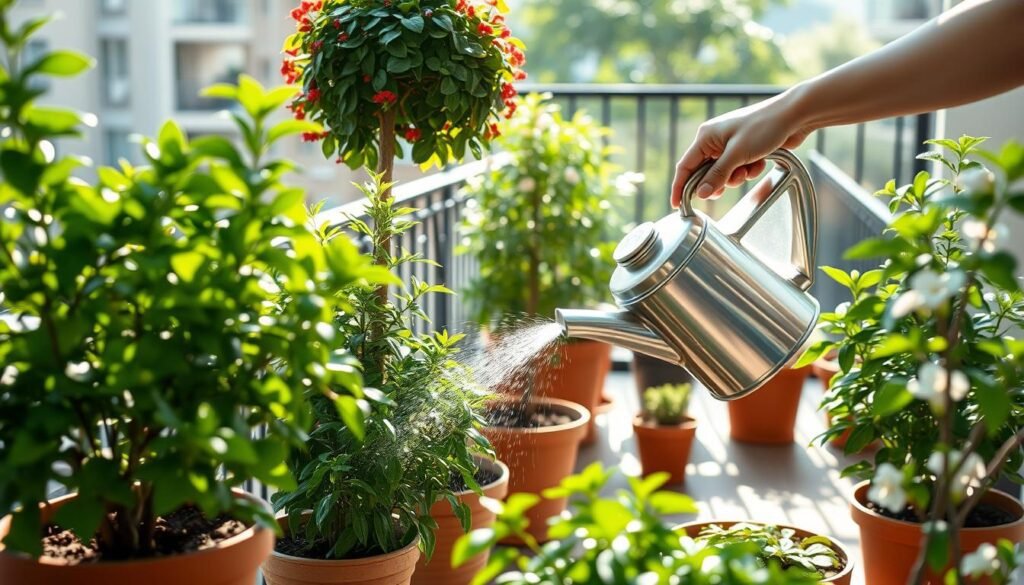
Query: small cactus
pixel 667 405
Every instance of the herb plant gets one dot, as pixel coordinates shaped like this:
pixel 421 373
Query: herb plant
pixel 141 338
pixel 931 360
pixel 814 555
pixel 436 73
pixel 619 539
pixel 667 404
pixel 370 480
pixel 542 226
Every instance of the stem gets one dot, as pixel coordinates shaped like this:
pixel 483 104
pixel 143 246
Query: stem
pixel 994 467
pixel 386 170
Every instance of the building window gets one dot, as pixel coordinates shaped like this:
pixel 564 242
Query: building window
pixel 211 11
pixel 114 68
pixel 200 65
pixel 120 146
pixel 112 7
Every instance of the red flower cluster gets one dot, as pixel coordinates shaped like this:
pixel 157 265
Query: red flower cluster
pixel 317 45
pixel 313 94
pixel 492 132
pixel 298 110
pixel 313 136
pixel 484 29
pixel 289 71
pixel 413 134
pixel 302 13
pixel 342 37
pixel 384 97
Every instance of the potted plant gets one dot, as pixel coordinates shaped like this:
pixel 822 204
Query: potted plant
pixel 768 416
pixel 931 366
pixel 617 539
pixel 782 546
pixel 664 433
pixel 542 230
pixel 143 342
pixel 366 484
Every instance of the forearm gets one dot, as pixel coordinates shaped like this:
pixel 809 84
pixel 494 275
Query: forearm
pixel 969 53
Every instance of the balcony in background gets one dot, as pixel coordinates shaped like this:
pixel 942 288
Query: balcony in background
pixel 211 11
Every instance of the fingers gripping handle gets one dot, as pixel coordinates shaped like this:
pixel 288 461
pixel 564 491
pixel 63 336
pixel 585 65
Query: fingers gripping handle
pixel 749 210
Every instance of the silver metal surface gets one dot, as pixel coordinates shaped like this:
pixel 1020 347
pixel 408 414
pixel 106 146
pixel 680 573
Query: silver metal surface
pixel 697 297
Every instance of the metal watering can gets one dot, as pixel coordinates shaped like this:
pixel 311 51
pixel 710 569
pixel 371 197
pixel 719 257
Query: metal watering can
pixel 692 294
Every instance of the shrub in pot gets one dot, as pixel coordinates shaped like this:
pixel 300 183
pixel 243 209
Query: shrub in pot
pixel 664 433
pixel 366 484
pixel 143 340
pixel 541 228
pixel 931 366
pixel 616 539
pixel 768 416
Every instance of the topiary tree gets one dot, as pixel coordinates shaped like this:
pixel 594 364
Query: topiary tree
pixel 437 73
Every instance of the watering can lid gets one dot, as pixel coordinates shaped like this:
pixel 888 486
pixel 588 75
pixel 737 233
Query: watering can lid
pixel 652 253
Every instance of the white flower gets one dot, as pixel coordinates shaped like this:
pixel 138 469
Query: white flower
pixel 976 231
pixel 976 180
pixel 887 488
pixel 932 381
pixel 544 121
pixel 841 309
pixel 77 371
pixel 626 183
pixel 928 289
pixel 983 561
pixel 968 475
pixel 526 184
pixel 572 176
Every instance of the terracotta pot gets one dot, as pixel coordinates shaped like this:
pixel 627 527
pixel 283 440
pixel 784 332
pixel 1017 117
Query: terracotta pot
pixel 891 547
pixel 577 375
pixel 394 568
pixel 692 529
pixel 824 368
pixel 840 440
pixel 650 371
pixel 234 561
pixel 605 405
pixel 439 570
pixel 539 458
pixel 768 416
pixel 664 447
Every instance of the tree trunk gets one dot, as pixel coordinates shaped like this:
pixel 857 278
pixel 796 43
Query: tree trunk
pixel 386 168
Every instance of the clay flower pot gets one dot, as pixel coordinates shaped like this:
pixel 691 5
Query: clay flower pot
pixel 394 568
pixel 890 547
pixel 664 447
pixel 439 570
pixel 234 561
pixel 824 368
pixel 539 458
pixel 692 529
pixel 768 415
pixel 578 376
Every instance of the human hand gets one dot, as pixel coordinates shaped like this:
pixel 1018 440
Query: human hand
pixel 739 141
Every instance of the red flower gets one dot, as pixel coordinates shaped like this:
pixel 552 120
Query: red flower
pixel 492 131
pixel 316 46
pixel 517 58
pixel 298 110
pixel 461 6
pixel 313 136
pixel 447 126
pixel 508 91
pixel 297 14
pixel 342 37
pixel 384 97
pixel 289 71
pixel 306 26
pixel 506 33
pixel 471 12
pixel 510 108
pixel 520 75
pixel 484 29
pixel 337 24
pixel 413 134
pixel 293 52
pixel 366 78
pixel 313 95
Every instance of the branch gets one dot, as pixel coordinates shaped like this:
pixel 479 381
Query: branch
pixel 995 466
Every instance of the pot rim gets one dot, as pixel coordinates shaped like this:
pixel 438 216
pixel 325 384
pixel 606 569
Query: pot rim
pixel 688 423
pixel 860 510
pixel 250 532
pixel 503 475
pixel 582 413
pixel 837 544
pixel 373 559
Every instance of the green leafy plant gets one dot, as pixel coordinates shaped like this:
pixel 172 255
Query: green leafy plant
pixel 931 362
pixel 617 539
pixel 667 404
pixel 541 226
pixel 372 469
pixel 141 336
pixel 437 73
pixel 815 555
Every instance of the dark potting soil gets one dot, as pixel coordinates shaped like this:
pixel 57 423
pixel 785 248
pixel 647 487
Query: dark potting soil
pixel 183 531
pixel 482 476
pixel 299 547
pixel 982 516
pixel 539 418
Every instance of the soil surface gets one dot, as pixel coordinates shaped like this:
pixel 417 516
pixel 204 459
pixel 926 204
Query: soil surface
pixel 982 516
pixel 483 477
pixel 183 531
pixel 533 420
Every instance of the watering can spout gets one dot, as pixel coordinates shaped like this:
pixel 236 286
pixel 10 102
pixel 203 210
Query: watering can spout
pixel 620 328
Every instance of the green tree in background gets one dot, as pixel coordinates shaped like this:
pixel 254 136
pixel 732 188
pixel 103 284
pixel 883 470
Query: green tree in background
pixel 651 41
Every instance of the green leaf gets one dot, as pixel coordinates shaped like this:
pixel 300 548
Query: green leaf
pixel 61 64
pixel 289 127
pixel 53 121
pixel 350 411
pixel 994 403
pixel 21 170
pixel 893 344
pixel 1000 268
pixel 838 275
pixel 672 503
pixel 186 264
pixel 224 91
pixel 874 248
pixel 938 546
pixel 472 544
pixel 415 24
pixel 891 398
pixel 80 515
pixel 814 352
pixel 860 438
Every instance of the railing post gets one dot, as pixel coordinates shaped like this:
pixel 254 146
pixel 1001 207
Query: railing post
pixel 922 131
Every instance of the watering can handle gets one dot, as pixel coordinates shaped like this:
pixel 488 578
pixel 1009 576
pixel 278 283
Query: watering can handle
pixel 738 221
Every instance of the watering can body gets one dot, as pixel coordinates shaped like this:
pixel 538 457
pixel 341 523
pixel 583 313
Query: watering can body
pixel 691 293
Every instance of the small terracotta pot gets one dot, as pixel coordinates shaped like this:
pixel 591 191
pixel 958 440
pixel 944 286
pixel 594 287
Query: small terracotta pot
pixel 664 447
pixel 439 570
pixel 577 374
pixel 539 458
pixel 838 441
pixel 824 368
pixel 234 561
pixel 890 547
pixel 768 415
pixel 692 529
pixel 393 568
